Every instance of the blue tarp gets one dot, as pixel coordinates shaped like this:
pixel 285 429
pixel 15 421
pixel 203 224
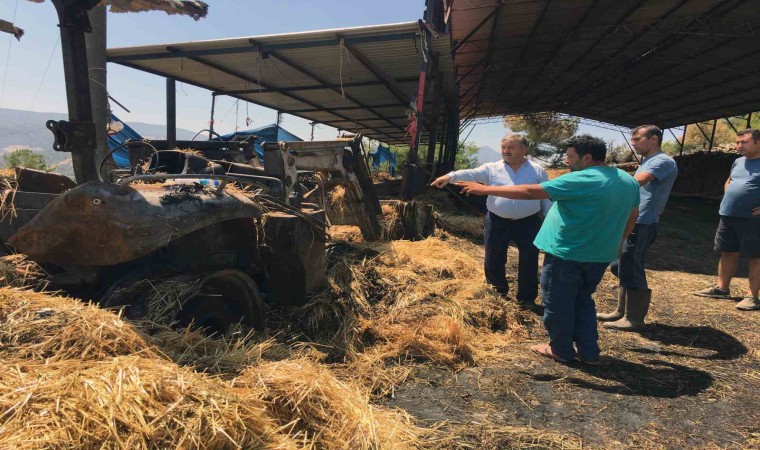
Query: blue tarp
pixel 121 156
pixel 267 133
pixel 382 154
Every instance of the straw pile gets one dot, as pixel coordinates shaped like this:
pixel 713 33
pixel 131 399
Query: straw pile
pixel 414 302
pixel 326 412
pixel 128 402
pixel 36 326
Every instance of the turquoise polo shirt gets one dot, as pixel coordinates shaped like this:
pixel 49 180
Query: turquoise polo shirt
pixel 591 208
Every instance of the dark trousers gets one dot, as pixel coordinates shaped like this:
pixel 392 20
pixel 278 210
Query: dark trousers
pixel 630 267
pixel 569 309
pixel 499 232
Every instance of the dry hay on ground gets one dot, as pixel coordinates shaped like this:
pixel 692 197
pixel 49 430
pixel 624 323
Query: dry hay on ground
pixel 554 173
pixel 36 326
pixel 421 302
pixel 347 233
pixel 315 407
pixel 18 271
pixel 128 402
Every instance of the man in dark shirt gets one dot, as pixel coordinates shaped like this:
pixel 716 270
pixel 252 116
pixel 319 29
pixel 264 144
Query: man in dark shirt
pixel 738 233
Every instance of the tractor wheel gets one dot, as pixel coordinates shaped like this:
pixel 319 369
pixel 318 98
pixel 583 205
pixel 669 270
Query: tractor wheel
pixel 213 303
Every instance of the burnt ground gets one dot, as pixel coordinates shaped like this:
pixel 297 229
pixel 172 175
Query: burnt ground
pixel 690 380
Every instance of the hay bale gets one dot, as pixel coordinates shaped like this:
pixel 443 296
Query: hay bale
pixel 128 402
pixel 325 412
pixel 38 326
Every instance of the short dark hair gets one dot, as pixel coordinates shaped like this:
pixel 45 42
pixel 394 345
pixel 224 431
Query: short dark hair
pixel 585 144
pixel 753 131
pixel 649 131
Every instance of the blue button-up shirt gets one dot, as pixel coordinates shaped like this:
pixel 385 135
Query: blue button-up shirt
pixel 501 174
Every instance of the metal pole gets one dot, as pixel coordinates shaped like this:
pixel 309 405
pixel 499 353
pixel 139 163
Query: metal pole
pixel 683 139
pixel 749 120
pixel 74 23
pixel 312 130
pixel 95 42
pixel 730 124
pixel 712 136
pixel 171 112
pixel 211 122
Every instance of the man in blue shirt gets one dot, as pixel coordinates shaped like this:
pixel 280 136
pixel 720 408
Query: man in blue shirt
pixel 656 175
pixel 509 220
pixel 738 233
pixel 595 207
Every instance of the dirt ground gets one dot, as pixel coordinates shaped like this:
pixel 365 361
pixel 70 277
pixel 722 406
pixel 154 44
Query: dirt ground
pixel 689 380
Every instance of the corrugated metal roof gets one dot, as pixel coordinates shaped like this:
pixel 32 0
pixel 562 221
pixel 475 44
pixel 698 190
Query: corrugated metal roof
pixel 625 62
pixel 316 75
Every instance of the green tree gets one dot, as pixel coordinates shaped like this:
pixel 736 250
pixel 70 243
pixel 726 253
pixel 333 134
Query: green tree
pixel 545 131
pixel 24 157
pixel 467 156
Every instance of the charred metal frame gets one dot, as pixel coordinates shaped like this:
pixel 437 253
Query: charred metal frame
pixel 77 135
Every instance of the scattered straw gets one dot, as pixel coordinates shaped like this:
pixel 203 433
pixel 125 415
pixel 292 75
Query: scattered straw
pixel 37 326
pixel 129 403
pixel 318 408
pixel 18 271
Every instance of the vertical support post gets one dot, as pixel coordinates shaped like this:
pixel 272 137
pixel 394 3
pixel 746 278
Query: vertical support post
pixel 74 23
pixel 433 131
pixel 712 136
pixel 211 121
pixel 409 183
pixel 749 120
pixel 312 130
pixel 683 139
pixel 171 112
pixel 95 42
pixel 277 122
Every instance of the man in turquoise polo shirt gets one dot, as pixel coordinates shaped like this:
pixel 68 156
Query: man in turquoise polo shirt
pixel 595 207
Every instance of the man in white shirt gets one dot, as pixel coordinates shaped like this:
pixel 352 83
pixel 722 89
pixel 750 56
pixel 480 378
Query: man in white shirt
pixel 509 220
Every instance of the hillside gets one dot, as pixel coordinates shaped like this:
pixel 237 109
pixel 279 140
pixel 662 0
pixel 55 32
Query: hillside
pixel 26 129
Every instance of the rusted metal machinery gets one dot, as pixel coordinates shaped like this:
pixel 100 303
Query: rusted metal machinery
pixel 239 239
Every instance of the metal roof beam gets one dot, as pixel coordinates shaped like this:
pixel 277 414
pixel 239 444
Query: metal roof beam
pixel 326 86
pixel 250 80
pixel 475 30
pixel 669 41
pixel 180 53
pixel 675 110
pixel 347 108
pixel 337 88
pixel 596 43
pixel 387 80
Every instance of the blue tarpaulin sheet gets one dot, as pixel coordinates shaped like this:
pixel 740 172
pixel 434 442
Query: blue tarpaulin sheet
pixel 267 133
pixel 383 154
pixel 121 156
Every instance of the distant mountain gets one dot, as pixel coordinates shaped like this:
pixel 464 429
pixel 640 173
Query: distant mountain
pixel 26 129
pixel 486 155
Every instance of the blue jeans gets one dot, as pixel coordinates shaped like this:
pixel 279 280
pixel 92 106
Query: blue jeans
pixel 630 267
pixel 569 310
pixel 498 233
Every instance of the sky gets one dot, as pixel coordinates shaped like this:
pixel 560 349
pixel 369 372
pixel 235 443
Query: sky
pixel 31 74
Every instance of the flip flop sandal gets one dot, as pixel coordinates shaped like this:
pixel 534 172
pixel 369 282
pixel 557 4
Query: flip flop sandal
pixel 545 350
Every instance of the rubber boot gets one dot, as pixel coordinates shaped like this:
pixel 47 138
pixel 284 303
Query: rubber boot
pixel 619 312
pixel 636 308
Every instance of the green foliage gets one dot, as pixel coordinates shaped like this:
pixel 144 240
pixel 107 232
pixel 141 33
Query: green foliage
pixel 467 156
pixel 545 131
pixel 724 134
pixel 620 153
pixel 25 158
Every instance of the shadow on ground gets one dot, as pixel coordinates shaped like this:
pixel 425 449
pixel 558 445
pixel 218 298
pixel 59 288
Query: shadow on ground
pixel 724 346
pixel 652 379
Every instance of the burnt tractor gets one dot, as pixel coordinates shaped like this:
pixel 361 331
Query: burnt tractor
pixel 235 239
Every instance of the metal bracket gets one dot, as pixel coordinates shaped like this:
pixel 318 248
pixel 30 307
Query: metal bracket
pixel 73 137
